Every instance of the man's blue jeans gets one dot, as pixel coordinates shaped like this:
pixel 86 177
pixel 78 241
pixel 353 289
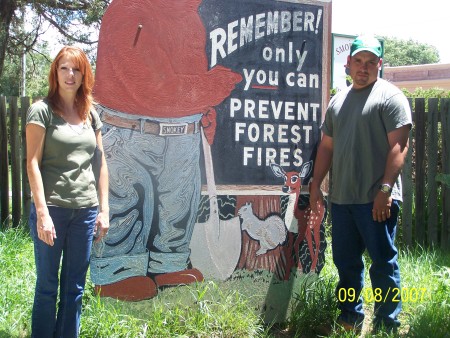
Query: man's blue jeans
pixel 74 231
pixel 354 231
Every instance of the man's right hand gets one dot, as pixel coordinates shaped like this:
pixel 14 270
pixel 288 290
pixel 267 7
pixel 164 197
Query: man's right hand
pixel 315 197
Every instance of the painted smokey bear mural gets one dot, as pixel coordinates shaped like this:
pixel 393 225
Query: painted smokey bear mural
pixel 158 96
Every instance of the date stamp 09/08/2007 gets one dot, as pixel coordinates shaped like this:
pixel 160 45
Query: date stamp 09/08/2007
pixel 404 294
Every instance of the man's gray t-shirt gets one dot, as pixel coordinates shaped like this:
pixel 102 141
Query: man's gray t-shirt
pixel 359 120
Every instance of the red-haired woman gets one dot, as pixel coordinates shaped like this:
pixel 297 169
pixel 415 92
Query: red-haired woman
pixel 68 209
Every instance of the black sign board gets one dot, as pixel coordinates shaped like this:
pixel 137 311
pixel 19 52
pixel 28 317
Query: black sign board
pixel 275 112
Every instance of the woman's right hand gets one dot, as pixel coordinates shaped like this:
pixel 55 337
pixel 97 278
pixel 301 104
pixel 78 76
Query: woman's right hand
pixel 46 229
pixel 35 145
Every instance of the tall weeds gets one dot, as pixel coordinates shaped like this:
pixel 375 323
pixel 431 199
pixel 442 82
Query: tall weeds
pixel 212 309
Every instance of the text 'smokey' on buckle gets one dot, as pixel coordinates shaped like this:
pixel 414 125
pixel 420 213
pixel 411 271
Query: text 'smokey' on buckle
pixel 173 129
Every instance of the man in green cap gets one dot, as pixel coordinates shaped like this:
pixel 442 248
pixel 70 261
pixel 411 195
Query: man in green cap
pixel 365 141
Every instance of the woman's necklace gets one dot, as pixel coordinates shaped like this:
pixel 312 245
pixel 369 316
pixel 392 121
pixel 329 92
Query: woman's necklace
pixel 78 128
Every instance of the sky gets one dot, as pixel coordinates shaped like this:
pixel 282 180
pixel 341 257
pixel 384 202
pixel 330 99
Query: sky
pixel 422 21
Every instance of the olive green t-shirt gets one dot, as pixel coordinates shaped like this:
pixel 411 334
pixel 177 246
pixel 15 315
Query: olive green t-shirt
pixel 359 121
pixel 66 160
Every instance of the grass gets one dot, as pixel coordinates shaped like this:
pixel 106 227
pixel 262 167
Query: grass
pixel 224 309
pixel 17 278
pixel 202 310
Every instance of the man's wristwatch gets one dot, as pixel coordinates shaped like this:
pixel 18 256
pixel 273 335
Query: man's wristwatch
pixel 385 188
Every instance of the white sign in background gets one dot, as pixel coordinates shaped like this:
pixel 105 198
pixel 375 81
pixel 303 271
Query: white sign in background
pixel 341 49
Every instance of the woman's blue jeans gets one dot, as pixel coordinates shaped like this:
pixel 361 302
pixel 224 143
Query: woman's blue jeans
pixel 354 231
pixel 74 232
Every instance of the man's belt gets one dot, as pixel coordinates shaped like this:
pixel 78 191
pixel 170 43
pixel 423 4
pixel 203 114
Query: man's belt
pixel 151 127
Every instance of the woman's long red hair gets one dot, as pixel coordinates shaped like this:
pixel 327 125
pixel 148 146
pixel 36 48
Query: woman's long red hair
pixel 84 100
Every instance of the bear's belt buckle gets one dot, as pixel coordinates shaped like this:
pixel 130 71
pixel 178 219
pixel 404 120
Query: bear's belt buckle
pixel 173 129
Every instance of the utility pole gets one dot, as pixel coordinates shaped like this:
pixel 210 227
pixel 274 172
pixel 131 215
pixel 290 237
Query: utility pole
pixel 24 72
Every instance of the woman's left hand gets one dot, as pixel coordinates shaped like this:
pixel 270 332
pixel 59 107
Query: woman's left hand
pixel 101 225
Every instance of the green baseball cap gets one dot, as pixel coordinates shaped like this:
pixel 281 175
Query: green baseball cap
pixel 366 43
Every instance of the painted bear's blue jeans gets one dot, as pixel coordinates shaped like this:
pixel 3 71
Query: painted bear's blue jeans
pixel 74 232
pixel 354 231
pixel 154 194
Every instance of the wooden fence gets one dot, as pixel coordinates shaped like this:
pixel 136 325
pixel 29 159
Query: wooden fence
pixel 425 217
pixel 14 192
